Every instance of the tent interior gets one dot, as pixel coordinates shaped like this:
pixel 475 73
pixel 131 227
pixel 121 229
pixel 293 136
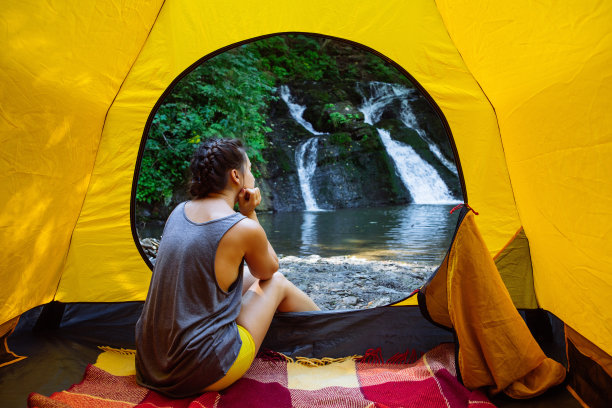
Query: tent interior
pixel 523 87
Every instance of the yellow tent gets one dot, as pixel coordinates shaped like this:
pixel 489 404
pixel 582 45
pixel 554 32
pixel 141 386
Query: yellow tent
pixel 525 88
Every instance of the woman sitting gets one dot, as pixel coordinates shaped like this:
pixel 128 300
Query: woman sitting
pixel 205 318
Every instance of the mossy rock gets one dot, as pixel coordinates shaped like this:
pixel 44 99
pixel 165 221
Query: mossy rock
pixel 403 134
pixel 340 139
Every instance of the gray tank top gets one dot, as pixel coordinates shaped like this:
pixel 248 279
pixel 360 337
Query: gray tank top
pixel 186 337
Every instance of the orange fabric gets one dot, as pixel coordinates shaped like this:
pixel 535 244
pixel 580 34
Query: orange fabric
pixel 7 357
pixel 496 348
pixel 437 296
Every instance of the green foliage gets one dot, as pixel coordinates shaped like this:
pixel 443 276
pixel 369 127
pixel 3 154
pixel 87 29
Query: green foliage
pixel 296 58
pixel 225 97
pixel 229 95
pixel 338 119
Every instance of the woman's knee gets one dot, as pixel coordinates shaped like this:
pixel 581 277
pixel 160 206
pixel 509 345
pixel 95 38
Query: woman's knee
pixel 277 280
pixel 277 283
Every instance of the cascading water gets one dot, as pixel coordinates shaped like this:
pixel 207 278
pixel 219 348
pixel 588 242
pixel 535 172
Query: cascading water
pixel 306 153
pixel 420 178
pixel 381 95
pixel 306 160
pixel 407 117
pixel 296 110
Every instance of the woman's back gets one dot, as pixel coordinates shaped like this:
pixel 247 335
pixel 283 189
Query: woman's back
pixel 188 320
pixel 197 330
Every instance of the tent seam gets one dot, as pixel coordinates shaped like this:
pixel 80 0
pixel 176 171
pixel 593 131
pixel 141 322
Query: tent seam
pixel 492 107
pixel 100 141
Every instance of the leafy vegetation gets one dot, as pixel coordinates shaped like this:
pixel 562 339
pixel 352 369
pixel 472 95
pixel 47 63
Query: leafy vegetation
pixel 229 95
pixel 226 97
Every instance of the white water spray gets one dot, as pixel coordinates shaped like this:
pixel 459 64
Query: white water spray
pixel 407 117
pixel 306 160
pixel 306 153
pixel 381 95
pixel 420 178
pixel 296 110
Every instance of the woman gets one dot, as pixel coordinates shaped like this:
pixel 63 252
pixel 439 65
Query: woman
pixel 205 318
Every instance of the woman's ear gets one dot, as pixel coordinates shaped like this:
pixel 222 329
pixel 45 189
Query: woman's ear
pixel 235 176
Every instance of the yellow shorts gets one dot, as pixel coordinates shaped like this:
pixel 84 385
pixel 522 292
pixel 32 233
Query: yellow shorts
pixel 241 365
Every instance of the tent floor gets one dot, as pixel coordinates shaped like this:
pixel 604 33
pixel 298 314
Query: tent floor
pixel 58 358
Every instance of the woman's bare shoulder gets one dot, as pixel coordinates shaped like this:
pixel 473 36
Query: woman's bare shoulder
pixel 248 226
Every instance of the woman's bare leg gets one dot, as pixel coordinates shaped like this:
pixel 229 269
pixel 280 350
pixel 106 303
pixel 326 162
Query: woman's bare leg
pixel 264 298
pixel 247 280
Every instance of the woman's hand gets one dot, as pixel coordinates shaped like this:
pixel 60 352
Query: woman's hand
pixel 248 200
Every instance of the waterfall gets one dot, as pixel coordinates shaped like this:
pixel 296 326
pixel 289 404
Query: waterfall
pixel 383 94
pixel 420 178
pixel 296 110
pixel 407 117
pixel 306 153
pixel 306 160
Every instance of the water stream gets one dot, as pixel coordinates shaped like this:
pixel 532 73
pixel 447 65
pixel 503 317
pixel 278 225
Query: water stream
pixel 409 120
pixel 306 160
pixel 306 153
pixel 420 178
pixel 297 110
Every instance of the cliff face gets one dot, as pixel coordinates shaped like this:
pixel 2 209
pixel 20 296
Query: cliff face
pixel 353 168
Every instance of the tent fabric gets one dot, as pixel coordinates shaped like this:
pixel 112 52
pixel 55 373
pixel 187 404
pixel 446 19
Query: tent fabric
pixel 62 64
pixel 546 69
pixel 6 355
pixel 590 370
pixel 344 333
pixel 103 263
pixel 524 88
pixel 496 348
pixel 514 265
pixel 589 350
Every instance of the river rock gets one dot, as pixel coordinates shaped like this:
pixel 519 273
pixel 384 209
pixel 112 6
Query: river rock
pixel 347 282
pixel 343 282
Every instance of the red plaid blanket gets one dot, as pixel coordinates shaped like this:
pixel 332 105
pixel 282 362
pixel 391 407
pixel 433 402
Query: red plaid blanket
pixel 429 382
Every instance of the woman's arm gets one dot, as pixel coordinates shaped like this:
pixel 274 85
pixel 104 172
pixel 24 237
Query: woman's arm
pixel 259 254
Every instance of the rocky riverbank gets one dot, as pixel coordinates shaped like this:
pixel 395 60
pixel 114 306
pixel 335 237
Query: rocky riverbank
pixel 345 282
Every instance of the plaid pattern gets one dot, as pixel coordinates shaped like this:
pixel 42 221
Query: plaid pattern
pixel 429 382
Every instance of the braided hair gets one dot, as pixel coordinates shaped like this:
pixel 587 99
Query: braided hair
pixel 210 165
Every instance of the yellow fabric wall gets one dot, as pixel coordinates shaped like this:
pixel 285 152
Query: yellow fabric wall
pixel 547 67
pixel 62 64
pixel 103 263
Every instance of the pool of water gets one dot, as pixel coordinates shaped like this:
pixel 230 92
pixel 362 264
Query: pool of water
pixel 413 233
pixel 416 233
